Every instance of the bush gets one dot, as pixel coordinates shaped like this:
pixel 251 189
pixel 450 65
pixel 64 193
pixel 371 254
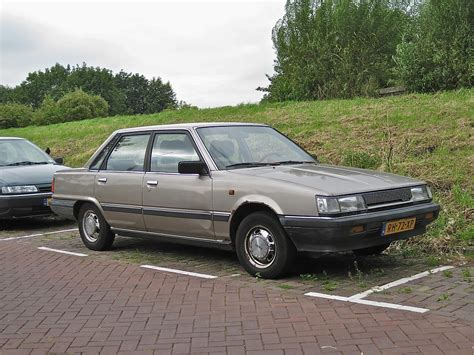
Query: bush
pixel 78 105
pixel 15 115
pixel 437 52
pixel 48 112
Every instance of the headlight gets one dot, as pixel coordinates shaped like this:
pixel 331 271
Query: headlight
pixel 19 189
pixel 340 204
pixel 420 193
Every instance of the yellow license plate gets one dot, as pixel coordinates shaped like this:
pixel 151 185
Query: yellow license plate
pixel 398 226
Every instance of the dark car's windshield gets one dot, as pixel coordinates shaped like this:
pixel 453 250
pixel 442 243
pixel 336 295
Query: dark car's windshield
pixel 16 152
pixel 233 147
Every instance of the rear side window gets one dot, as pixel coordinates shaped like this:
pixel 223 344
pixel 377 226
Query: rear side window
pixel 129 153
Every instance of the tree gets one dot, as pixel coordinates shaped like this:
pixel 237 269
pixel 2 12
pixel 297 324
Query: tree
pixel 437 53
pixel 98 81
pixel 125 93
pixel 160 96
pixel 53 82
pixel 335 48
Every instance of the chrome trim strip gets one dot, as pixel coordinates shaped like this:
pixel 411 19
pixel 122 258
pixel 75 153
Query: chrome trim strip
pixel 177 213
pixel 121 208
pixel 216 241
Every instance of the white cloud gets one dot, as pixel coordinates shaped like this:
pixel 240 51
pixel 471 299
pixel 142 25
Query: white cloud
pixel 213 53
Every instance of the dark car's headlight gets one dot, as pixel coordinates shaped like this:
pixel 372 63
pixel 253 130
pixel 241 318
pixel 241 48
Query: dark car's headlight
pixel 345 204
pixel 24 189
pixel 420 193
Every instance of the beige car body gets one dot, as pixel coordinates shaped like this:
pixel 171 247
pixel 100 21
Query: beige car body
pixel 208 208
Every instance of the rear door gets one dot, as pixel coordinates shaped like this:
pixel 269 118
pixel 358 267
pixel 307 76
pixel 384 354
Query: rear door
pixel 173 203
pixel 118 185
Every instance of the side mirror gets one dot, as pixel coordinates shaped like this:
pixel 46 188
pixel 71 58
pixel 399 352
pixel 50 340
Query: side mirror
pixel 192 167
pixel 47 151
pixel 315 157
pixel 59 161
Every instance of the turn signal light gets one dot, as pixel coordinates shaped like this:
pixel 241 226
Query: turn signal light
pixel 429 215
pixel 357 229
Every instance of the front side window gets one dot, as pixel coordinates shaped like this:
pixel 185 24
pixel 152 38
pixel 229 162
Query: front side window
pixel 232 147
pixel 169 149
pixel 129 153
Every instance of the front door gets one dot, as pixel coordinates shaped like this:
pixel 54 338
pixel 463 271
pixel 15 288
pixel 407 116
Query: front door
pixel 176 204
pixel 119 184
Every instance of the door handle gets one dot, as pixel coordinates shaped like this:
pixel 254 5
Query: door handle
pixel 102 180
pixel 152 183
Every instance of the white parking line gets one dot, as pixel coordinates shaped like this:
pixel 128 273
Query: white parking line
pixel 62 251
pixel 367 302
pixel 399 282
pixel 358 298
pixel 175 271
pixel 39 234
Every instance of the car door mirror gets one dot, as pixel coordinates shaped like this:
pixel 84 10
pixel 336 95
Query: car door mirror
pixel 59 161
pixel 192 167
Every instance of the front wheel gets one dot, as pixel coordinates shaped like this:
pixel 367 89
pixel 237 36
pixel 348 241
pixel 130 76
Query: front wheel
pixel 262 246
pixel 94 230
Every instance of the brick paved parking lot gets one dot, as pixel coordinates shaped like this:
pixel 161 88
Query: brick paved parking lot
pixel 57 303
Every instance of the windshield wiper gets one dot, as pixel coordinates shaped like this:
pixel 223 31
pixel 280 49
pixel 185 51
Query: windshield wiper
pixel 247 165
pixel 27 163
pixel 283 162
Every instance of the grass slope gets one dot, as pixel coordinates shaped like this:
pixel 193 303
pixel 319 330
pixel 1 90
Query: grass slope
pixel 424 136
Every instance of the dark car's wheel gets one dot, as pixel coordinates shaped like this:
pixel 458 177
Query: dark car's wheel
pixel 262 246
pixel 375 250
pixel 94 230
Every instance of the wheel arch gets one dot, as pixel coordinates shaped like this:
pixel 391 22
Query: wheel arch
pixel 244 210
pixel 79 203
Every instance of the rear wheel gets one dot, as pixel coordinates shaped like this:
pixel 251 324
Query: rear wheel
pixel 375 250
pixel 262 246
pixel 94 230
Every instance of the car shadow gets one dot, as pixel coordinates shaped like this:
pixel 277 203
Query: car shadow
pixel 27 224
pixel 338 265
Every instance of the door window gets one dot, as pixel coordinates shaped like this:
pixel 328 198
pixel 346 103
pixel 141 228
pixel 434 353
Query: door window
pixel 169 149
pixel 129 153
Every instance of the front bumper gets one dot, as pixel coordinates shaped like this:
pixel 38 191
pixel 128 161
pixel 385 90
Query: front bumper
pixel 333 234
pixel 24 205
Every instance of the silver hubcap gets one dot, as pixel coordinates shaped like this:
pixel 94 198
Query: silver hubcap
pixel 91 226
pixel 260 247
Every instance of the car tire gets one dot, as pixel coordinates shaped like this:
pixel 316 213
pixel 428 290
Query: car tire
pixel 375 250
pixel 94 230
pixel 262 246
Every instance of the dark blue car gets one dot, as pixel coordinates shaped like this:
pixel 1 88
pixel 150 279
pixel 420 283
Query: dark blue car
pixel 26 174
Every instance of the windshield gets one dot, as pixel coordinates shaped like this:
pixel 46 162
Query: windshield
pixel 15 152
pixel 233 147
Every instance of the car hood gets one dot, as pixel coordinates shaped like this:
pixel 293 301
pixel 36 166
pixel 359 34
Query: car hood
pixel 330 179
pixel 28 174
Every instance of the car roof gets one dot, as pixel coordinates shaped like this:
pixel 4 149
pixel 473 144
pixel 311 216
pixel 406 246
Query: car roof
pixel 187 126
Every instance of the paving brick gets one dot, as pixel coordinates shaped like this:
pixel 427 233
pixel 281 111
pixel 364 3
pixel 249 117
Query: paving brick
pixel 65 304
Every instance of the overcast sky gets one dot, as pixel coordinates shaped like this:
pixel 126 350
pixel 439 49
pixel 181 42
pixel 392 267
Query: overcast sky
pixel 214 53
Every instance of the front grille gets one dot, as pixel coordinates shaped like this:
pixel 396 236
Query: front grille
pixel 44 188
pixel 387 196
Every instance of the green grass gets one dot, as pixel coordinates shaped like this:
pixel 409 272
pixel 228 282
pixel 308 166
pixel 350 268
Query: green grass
pixel 426 136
